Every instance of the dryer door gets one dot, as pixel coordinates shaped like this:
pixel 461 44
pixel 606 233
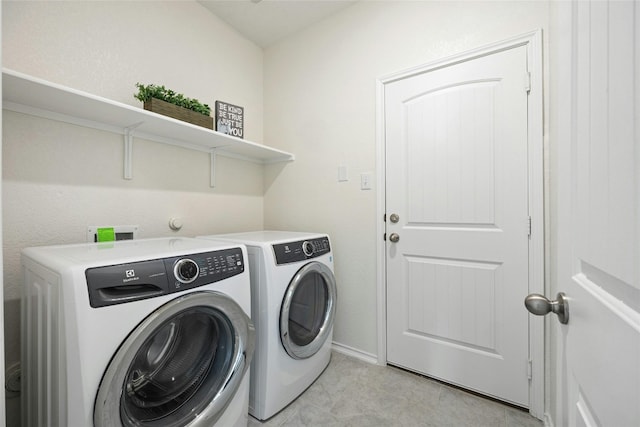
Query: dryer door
pixel 308 310
pixel 181 366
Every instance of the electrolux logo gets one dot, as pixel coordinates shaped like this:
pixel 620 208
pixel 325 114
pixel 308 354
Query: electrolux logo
pixel 130 276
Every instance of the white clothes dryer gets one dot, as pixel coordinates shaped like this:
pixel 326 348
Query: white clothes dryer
pixel 146 333
pixel 293 308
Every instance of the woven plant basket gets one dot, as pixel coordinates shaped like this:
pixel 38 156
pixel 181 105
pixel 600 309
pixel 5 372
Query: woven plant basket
pixel 167 109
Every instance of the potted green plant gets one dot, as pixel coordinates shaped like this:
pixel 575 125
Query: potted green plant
pixel 167 102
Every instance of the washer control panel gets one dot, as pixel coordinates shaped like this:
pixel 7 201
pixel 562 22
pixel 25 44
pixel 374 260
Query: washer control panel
pixel 116 284
pixel 301 250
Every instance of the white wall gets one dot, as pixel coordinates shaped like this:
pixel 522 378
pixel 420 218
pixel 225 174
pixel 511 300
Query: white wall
pixel 320 103
pixel 59 178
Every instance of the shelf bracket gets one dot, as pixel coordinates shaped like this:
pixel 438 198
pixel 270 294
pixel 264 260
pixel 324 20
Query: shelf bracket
pixel 212 160
pixel 128 150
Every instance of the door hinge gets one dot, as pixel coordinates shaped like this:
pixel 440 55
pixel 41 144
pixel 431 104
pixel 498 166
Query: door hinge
pixel 527 81
pixel 529 227
pixel 384 218
pixel 384 237
pixel 529 369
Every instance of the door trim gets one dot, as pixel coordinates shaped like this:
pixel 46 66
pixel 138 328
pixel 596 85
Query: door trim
pixel 533 41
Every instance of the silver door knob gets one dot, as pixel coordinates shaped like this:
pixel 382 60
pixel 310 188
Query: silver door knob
pixel 394 237
pixel 540 305
pixel 394 218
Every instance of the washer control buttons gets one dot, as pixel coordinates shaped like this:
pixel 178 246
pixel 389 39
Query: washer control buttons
pixel 307 248
pixel 186 270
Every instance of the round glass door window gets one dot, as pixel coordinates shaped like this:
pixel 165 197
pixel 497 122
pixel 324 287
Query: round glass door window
pixel 184 361
pixel 308 310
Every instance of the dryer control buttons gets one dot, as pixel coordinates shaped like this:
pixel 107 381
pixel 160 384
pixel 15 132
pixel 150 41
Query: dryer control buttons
pixel 301 250
pixel 186 270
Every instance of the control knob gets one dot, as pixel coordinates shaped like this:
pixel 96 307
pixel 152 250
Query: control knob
pixel 186 270
pixel 307 248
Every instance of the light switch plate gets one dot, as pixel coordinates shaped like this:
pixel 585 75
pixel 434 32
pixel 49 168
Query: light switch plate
pixel 343 173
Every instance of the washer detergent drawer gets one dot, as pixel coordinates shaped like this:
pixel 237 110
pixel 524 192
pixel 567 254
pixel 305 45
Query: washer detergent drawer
pixel 126 282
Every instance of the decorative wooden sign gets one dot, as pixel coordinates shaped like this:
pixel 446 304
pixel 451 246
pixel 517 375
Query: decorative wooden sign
pixel 229 119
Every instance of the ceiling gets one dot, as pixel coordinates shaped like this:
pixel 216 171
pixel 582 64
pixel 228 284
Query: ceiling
pixel 267 21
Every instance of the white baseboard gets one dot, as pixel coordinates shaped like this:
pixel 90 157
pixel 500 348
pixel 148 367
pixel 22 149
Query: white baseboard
pixel 353 352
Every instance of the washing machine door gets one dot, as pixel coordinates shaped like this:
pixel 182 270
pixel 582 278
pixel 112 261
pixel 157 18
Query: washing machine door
pixel 308 310
pixel 180 367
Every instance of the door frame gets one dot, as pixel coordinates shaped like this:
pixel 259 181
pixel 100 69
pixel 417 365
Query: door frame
pixel 536 186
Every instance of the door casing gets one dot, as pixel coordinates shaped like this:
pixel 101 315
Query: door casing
pixel 533 41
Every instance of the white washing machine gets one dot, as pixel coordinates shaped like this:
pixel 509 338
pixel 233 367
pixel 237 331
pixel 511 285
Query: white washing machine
pixel 136 333
pixel 293 308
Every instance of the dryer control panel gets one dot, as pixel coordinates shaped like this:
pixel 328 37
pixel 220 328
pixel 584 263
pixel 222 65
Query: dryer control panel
pixel 301 250
pixel 122 283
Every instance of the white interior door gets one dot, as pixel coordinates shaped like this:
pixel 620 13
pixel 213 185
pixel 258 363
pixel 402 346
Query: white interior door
pixel 598 135
pixel 457 179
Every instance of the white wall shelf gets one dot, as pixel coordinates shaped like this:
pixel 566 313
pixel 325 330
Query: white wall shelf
pixel 30 95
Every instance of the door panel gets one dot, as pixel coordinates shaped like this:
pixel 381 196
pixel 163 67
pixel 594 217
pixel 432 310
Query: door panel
pixel 451 183
pixel 599 218
pixel 456 153
pixel 602 350
pixel 465 321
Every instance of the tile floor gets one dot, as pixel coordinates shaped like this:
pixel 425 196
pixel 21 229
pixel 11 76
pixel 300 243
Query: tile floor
pixel 351 392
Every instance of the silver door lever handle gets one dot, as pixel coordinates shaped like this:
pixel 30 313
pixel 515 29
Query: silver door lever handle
pixel 540 305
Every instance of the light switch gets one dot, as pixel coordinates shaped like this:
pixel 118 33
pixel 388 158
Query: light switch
pixel 343 173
